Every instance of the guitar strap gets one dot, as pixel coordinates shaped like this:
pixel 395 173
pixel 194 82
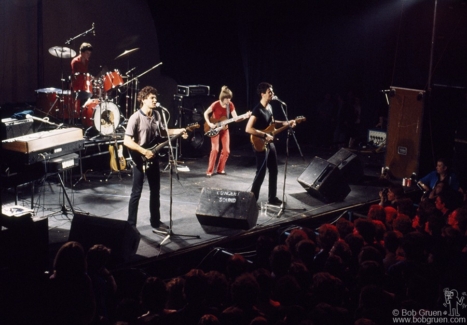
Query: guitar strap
pixel 227 108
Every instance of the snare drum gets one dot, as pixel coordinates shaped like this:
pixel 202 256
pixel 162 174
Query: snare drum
pixel 104 116
pixel 112 80
pixel 82 82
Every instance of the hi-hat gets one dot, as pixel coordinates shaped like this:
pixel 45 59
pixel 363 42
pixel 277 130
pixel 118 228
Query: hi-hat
pixel 62 52
pixel 126 53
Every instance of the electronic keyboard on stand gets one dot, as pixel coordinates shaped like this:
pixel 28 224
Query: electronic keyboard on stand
pixel 28 158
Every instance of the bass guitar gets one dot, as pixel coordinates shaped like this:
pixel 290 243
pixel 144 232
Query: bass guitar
pixel 138 158
pixel 259 143
pixel 221 123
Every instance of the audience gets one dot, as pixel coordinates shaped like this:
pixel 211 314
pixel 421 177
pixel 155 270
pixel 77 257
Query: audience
pixel 354 272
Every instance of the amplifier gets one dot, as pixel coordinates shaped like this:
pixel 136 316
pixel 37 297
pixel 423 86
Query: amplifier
pixel 377 137
pixel 193 90
pixel 12 128
pixel 63 162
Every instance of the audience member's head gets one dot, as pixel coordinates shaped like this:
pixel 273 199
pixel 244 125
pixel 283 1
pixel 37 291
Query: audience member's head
pixel 366 228
pixel 392 240
pixel 306 250
pixel 376 212
pixel 244 291
pixel 218 288
pixel 209 319
pixel 327 236
pixel 97 257
pixel 391 214
pixel 280 260
pixel 380 230
pixel 176 297
pixel 403 224
pixel 414 246
pixel 327 288
pixel 370 253
pixel 342 249
pixel 405 206
pixel 236 266
pixel 195 286
pixel 70 260
pixel 154 295
pixel 355 242
pixel 344 227
pixel 296 235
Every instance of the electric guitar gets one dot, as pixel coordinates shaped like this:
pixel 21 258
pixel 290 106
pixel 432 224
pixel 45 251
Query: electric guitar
pixel 117 161
pixel 139 158
pixel 221 123
pixel 259 143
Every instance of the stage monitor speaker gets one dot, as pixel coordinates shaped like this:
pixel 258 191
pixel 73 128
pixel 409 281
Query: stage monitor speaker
pixel 118 235
pixel 405 121
pixel 227 208
pixel 349 164
pixel 324 181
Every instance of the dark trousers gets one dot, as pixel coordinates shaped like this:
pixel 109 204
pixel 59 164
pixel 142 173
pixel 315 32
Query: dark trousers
pixel 266 159
pixel 153 175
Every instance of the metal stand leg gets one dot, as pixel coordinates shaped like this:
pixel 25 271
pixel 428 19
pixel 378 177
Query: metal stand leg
pixel 169 233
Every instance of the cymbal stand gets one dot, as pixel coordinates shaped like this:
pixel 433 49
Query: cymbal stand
pixel 289 132
pixel 173 165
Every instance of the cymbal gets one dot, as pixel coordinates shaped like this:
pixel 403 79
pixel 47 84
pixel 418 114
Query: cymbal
pixel 62 52
pixel 126 53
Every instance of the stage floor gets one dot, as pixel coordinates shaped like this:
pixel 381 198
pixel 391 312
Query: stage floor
pixel 95 193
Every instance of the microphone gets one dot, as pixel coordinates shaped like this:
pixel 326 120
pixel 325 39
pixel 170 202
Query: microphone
pixel 93 30
pixel 46 120
pixel 280 101
pixel 385 91
pixel 160 106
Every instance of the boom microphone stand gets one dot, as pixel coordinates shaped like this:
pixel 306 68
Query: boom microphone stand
pixel 289 132
pixel 173 165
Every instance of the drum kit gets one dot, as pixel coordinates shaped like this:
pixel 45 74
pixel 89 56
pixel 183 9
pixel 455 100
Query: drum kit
pixel 101 111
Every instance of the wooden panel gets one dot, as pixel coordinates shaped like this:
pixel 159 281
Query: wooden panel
pixel 405 122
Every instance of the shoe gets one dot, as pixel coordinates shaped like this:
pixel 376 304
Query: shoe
pixel 208 175
pixel 275 201
pixel 222 173
pixel 161 228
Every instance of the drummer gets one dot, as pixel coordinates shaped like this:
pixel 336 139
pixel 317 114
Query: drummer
pixel 80 65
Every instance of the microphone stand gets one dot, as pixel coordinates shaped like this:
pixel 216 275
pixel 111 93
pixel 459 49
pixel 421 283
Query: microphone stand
pixel 173 165
pixel 289 132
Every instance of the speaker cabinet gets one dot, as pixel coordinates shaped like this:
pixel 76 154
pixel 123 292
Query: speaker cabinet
pixel 12 128
pixel 405 121
pixel 118 235
pixel 227 208
pixel 349 164
pixel 324 181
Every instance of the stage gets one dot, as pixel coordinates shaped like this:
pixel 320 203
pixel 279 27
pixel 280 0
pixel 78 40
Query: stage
pixel 95 194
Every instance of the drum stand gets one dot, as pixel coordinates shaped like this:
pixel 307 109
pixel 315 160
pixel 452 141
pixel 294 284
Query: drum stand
pixel 173 165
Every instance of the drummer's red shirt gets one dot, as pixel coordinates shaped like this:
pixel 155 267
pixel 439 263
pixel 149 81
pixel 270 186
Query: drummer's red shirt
pixel 79 66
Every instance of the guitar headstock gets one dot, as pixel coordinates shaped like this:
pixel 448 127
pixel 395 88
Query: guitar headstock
pixel 300 119
pixel 192 126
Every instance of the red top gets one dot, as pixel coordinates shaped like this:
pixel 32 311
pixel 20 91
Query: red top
pixel 79 69
pixel 218 111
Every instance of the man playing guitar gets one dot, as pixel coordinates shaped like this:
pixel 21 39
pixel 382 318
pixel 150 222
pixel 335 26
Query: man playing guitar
pixel 144 129
pixel 261 117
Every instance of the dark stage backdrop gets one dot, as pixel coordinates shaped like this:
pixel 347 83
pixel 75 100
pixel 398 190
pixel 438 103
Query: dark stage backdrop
pixel 30 27
pixel 302 47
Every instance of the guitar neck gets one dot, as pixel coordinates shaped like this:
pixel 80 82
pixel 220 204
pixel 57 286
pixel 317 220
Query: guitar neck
pixel 230 120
